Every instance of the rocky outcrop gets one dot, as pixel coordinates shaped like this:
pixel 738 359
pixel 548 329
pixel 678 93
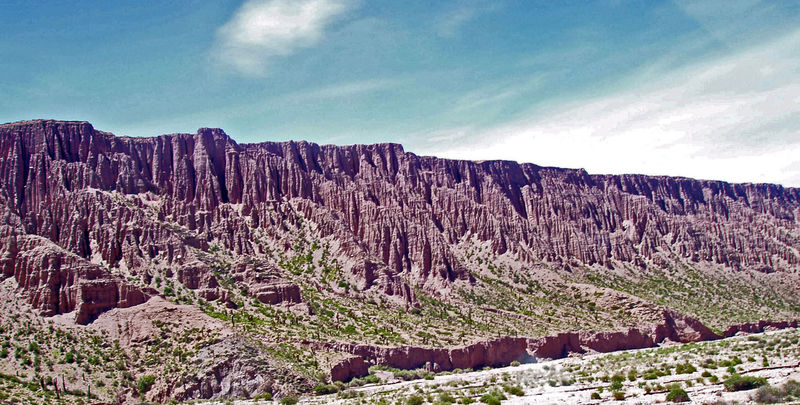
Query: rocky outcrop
pixel 501 352
pixel 233 367
pixel 59 282
pixel 348 368
pixel 277 293
pixel 494 353
pixel 758 327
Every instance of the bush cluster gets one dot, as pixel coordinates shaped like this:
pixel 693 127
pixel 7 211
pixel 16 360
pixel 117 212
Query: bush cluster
pixel 738 382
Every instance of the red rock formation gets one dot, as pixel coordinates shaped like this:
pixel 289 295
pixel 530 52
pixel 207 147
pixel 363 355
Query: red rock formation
pixel 758 327
pixel 80 207
pixel 397 215
pixel 350 367
pixel 501 352
pixel 61 282
pixel 494 353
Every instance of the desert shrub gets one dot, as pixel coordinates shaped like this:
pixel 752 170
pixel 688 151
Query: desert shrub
pixel 408 375
pixel 144 383
pixel 738 382
pixel 513 390
pixel 288 401
pixel 370 379
pixel 767 394
pixel 619 395
pixel 652 374
pixel 677 394
pixel 348 394
pixel 792 388
pixel 595 395
pixel 770 395
pixel 685 368
pixel 325 389
pixel 514 363
pixel 493 398
pixel 415 400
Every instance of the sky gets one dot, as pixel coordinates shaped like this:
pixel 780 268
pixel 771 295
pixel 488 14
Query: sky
pixel 703 89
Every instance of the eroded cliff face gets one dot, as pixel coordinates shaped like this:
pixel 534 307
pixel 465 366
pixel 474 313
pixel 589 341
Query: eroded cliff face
pixel 397 215
pixel 374 245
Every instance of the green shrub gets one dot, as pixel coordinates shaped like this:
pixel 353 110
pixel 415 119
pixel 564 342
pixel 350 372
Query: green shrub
pixel 144 383
pixel 685 368
pixel 325 389
pixel 677 394
pixel 619 395
pixel 493 398
pixel 595 395
pixel 738 382
pixel 288 401
pixel 415 400
pixel 513 390
pixel 652 374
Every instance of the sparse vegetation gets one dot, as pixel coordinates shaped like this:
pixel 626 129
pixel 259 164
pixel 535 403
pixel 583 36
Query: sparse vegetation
pixel 677 394
pixel 738 382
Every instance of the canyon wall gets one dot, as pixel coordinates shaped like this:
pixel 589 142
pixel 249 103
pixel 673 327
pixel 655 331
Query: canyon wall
pixel 396 214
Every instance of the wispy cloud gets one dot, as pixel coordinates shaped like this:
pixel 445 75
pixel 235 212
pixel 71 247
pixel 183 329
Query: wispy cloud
pixel 734 117
pixel 450 23
pixel 262 30
pixel 342 90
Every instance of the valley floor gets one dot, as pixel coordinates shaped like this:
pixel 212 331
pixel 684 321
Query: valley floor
pixel 636 376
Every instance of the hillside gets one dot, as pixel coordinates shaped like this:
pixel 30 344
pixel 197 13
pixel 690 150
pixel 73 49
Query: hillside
pixel 236 270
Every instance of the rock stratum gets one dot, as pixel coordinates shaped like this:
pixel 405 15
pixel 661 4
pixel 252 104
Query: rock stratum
pixel 377 254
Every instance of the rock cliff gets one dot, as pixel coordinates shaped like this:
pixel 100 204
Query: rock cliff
pixel 392 258
pixel 398 215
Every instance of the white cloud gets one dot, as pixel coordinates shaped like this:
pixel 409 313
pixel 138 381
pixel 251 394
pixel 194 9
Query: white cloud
pixel 261 30
pixel 733 118
pixel 451 22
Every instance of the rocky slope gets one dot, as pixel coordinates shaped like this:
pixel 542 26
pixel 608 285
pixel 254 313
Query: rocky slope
pixel 370 244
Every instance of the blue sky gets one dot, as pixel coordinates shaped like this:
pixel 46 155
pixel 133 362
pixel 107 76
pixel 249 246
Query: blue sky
pixel 707 89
